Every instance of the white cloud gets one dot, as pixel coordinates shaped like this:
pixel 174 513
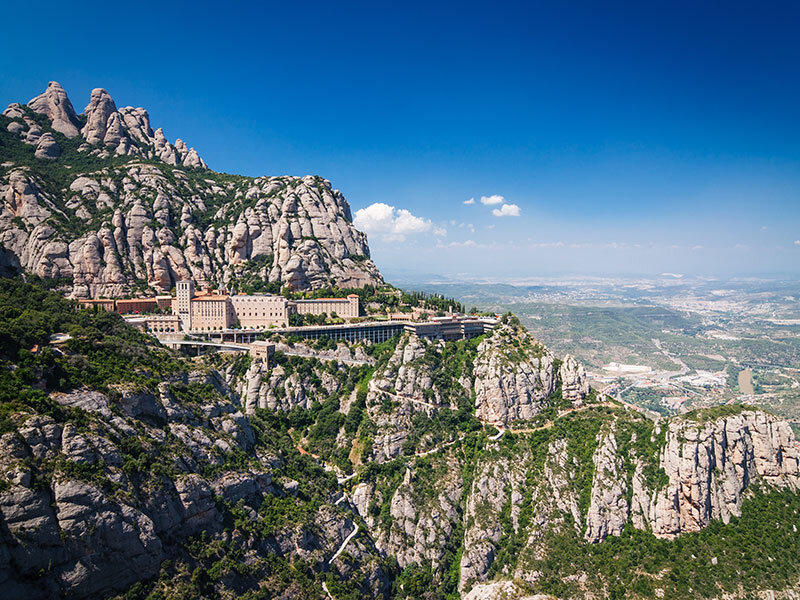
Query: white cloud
pixel 440 231
pixel 490 200
pixel 797 242
pixel 764 228
pixel 507 210
pixel 548 244
pixel 392 224
pixel 470 201
pixel 464 244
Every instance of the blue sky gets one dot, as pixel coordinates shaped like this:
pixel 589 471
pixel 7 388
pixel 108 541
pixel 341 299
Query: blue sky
pixel 631 137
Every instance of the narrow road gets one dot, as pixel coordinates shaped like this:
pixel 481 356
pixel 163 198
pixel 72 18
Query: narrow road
pixel 344 543
pixel 438 448
pixel 325 589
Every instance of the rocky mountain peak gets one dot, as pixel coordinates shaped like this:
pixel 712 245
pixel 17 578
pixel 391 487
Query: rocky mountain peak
pixel 99 113
pixel 112 225
pixel 107 130
pixel 56 106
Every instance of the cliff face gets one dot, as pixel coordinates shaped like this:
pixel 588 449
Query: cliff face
pixel 92 212
pixel 514 376
pixel 711 464
pixel 95 505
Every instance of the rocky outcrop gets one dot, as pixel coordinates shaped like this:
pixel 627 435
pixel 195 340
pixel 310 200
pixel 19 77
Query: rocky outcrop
pixel 127 132
pixel 47 148
pixel 710 465
pixel 281 388
pixel 574 382
pixel 495 489
pixel 103 521
pixel 107 131
pixel 514 377
pixel 421 524
pixel 608 507
pixel 55 105
pixel 301 226
pixel 405 387
pixel 501 590
pixel 114 228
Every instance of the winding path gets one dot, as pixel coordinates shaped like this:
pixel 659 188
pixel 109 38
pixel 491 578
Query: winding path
pixel 344 543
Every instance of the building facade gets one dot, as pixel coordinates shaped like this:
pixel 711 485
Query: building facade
pixel 211 311
pixel 136 305
pixel 346 308
pixel 106 304
pixel 260 311
pixel 155 323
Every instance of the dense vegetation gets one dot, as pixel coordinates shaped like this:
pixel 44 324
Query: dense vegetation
pixel 98 351
pixel 759 550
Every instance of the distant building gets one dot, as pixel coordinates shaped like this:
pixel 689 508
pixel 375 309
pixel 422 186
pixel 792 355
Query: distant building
pixel 182 304
pixel 204 310
pixel 210 312
pixel 155 323
pixel 615 367
pixel 102 303
pixel 262 351
pixel 260 311
pixel 136 305
pixel 164 302
pixel 346 308
pixel 451 328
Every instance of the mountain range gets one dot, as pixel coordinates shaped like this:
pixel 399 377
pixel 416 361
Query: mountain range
pixel 104 201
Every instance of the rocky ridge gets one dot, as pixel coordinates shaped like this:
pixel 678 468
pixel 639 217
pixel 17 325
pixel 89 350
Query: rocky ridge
pixel 120 225
pixel 105 130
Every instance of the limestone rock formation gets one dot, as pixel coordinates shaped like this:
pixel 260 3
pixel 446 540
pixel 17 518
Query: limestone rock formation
pixel 55 105
pixel 514 376
pixel 422 524
pixel 113 228
pixel 47 147
pixel 93 537
pixel 711 464
pixel 608 508
pixel 495 486
pixel 299 232
pixel 405 388
pixel 574 383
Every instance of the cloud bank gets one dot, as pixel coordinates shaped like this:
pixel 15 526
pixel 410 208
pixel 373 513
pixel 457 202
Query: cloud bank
pixel 392 224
